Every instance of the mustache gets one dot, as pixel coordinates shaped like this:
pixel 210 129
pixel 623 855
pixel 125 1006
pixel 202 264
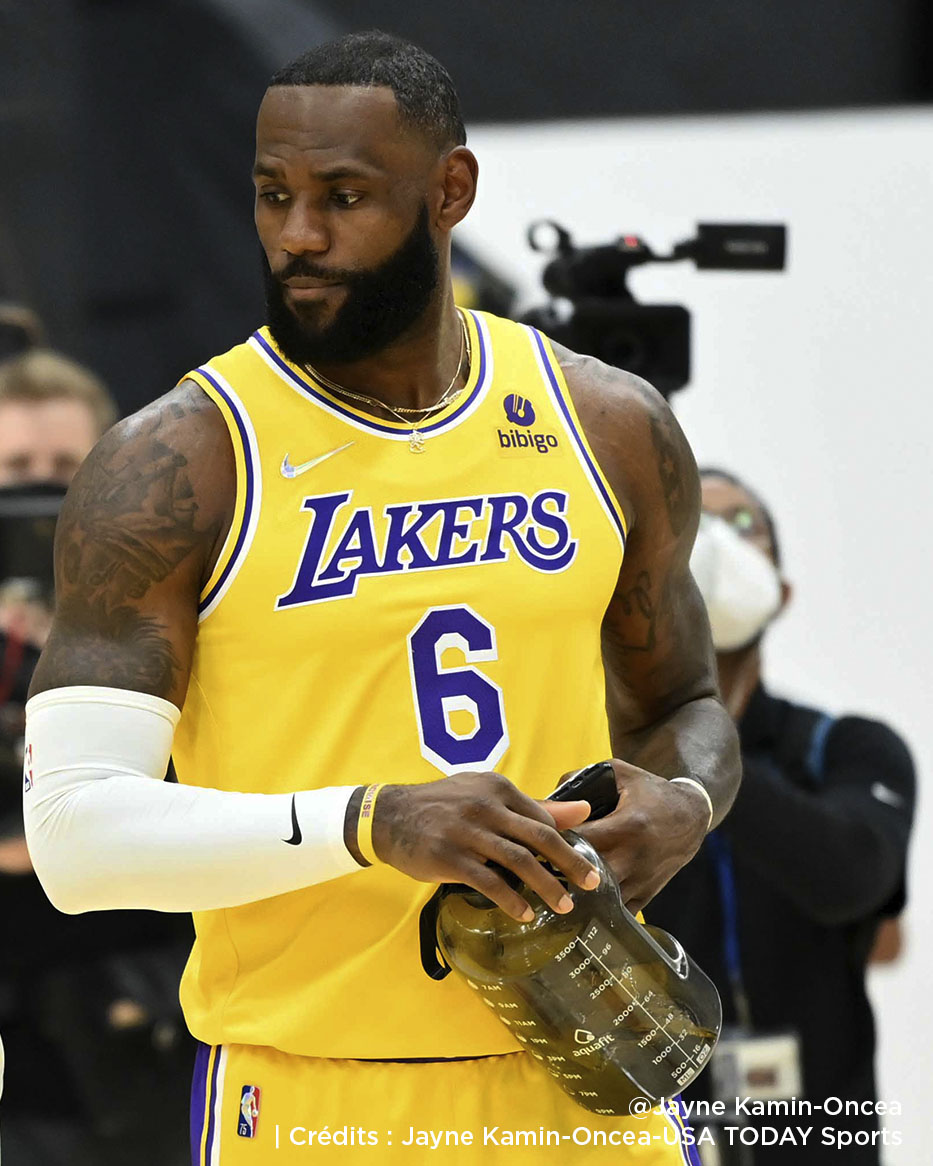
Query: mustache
pixel 300 267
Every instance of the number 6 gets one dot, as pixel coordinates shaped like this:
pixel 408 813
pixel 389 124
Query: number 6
pixel 439 691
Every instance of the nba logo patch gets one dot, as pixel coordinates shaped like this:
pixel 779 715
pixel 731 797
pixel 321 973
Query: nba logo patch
pixel 249 1111
pixel 27 769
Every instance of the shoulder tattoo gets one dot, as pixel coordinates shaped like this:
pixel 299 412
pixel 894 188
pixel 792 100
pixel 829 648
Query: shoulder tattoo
pixel 131 518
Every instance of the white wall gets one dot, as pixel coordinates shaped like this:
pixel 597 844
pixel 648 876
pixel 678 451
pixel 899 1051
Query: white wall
pixel 814 384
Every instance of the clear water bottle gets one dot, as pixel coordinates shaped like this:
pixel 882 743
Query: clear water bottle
pixel 612 1008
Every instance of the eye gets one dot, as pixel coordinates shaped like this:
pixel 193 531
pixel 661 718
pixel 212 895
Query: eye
pixel 272 197
pixel 346 197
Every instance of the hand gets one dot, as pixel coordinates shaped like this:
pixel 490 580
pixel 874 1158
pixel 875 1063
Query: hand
pixel 656 829
pixel 447 831
pixel 14 857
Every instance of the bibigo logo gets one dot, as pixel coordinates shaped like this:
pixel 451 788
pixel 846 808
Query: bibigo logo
pixel 521 412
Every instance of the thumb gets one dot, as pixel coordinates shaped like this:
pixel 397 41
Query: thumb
pixel 567 814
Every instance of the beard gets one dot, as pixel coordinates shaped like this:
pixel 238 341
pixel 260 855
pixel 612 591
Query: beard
pixel 380 303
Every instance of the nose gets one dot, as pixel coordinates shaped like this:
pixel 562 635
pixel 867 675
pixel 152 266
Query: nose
pixel 304 230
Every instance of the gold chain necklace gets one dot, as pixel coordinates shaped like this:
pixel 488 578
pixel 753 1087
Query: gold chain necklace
pixel 415 438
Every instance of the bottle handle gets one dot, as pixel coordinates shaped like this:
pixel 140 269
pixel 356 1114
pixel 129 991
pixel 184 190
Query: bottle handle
pixel 432 958
pixel 677 959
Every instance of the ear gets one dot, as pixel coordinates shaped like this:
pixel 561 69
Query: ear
pixel 457 187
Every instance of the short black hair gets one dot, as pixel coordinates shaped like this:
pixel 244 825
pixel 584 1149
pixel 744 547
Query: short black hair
pixel 424 91
pixel 715 472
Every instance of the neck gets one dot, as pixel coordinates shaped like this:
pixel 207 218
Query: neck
pixel 746 663
pixel 416 369
pixel 739 676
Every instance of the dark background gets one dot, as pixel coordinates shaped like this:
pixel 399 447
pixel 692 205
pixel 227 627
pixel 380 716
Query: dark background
pixel 126 128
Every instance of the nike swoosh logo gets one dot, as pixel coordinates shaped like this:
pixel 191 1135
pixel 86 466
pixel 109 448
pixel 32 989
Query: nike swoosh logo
pixel 290 471
pixel 883 794
pixel 296 829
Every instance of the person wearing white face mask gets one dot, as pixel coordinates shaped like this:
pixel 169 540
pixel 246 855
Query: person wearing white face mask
pixel 783 902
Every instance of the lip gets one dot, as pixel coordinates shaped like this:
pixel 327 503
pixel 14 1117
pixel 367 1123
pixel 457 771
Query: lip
pixel 310 281
pixel 310 288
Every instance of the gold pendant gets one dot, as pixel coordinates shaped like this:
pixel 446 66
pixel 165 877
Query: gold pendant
pixel 416 442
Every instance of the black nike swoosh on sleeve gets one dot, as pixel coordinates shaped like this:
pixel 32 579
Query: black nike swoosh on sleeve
pixel 295 839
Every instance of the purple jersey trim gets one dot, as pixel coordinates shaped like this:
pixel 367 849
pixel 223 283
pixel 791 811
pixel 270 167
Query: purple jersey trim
pixel 198 1100
pixel 203 1103
pixel 250 492
pixel 611 503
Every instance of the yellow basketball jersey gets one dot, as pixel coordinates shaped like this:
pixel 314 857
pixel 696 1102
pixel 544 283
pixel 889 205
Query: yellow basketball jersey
pixel 379 614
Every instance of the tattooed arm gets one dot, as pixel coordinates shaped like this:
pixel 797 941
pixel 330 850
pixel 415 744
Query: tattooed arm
pixel 665 715
pixel 141 527
pixel 137 538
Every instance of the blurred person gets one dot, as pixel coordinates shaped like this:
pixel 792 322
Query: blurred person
pixel 25 614
pixel 70 990
pixel 52 411
pixel 292 569
pixel 784 901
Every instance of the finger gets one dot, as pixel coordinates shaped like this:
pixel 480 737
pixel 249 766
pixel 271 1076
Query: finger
pixel 601 835
pixel 625 770
pixel 561 815
pixel 539 811
pixel 485 880
pixel 545 840
pixel 638 892
pixel 625 825
pixel 566 815
pixel 635 894
pixel 519 859
pixel 616 857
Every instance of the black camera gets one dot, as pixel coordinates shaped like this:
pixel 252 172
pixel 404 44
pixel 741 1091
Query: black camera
pixel 603 318
pixel 28 514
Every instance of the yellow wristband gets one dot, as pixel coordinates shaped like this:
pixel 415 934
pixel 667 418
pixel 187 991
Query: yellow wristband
pixel 364 826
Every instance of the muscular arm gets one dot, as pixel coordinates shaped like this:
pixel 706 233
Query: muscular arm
pixel 665 715
pixel 138 534
pixel 133 542
pixel 137 538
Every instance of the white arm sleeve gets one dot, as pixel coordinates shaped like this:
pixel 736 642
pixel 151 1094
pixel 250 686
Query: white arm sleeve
pixel 105 831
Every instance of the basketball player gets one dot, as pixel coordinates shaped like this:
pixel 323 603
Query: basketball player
pixel 380 544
